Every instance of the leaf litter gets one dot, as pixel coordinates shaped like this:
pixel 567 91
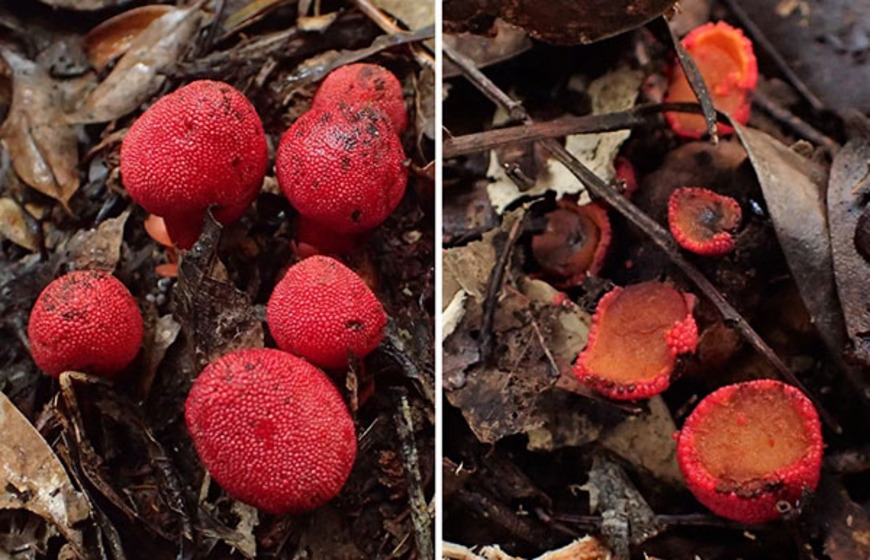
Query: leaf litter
pixel 136 488
pixel 784 280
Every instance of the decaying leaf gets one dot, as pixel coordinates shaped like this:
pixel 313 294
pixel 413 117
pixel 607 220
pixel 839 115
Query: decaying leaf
pixel 111 39
pixel 249 13
pixel 240 537
pixel 626 518
pixel 100 248
pixel 425 103
pixel 163 334
pixel 216 316
pixel 794 191
pixel 846 524
pixel 537 336
pixel 564 22
pixel 646 441
pixel 14 226
pixel 507 42
pixel 32 477
pixel 845 205
pixel 41 145
pixel 615 91
pixel 136 76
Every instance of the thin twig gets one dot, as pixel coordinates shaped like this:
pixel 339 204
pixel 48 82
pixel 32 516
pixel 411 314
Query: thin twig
pixel 493 289
pixel 388 25
pixel 650 227
pixel 420 517
pixel 761 40
pixel 695 79
pixel 795 123
pixel 563 126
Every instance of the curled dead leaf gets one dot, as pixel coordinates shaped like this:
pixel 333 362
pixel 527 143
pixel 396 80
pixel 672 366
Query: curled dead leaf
pixel 100 248
pixel 794 191
pixel 136 76
pixel 14 227
pixel 41 145
pixel 32 477
pixel 845 206
pixel 112 38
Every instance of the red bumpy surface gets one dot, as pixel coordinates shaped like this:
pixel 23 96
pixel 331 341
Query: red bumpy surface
pixel 365 83
pixel 272 430
pixel 783 485
pixel 85 321
pixel 341 166
pixel 321 310
pixel 202 145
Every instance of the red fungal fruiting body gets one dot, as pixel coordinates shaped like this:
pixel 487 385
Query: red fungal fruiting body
pixel 726 60
pixel 574 243
pixel 271 429
pixel 321 310
pixel 747 449
pixel 636 336
pixel 202 145
pixel 361 84
pixel 625 173
pixel 313 239
pixel 702 221
pixel 341 166
pixel 85 321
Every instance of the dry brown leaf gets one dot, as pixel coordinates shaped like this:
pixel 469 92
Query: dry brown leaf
pixel 425 102
pixel 646 441
pixel 137 77
pixel 215 315
pixel 13 225
pixel 32 477
pixel 508 42
pixel 41 145
pixel 415 15
pixel 249 13
pixel 845 205
pixel 100 248
pixel 112 38
pixel 794 191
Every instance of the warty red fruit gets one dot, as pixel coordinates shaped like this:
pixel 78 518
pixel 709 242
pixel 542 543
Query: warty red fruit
pixel 271 429
pixel 85 321
pixel 202 145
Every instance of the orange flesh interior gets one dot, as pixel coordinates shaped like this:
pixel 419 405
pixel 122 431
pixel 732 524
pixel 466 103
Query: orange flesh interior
pixel 569 244
pixel 701 218
pixel 755 433
pixel 723 63
pixel 630 343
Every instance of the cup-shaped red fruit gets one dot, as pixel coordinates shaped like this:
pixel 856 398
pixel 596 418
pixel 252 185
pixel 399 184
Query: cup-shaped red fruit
pixel 271 429
pixel 323 311
pixel 727 62
pixel 341 166
pixel 749 450
pixel 85 321
pixel 703 221
pixel 638 333
pixel 201 146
